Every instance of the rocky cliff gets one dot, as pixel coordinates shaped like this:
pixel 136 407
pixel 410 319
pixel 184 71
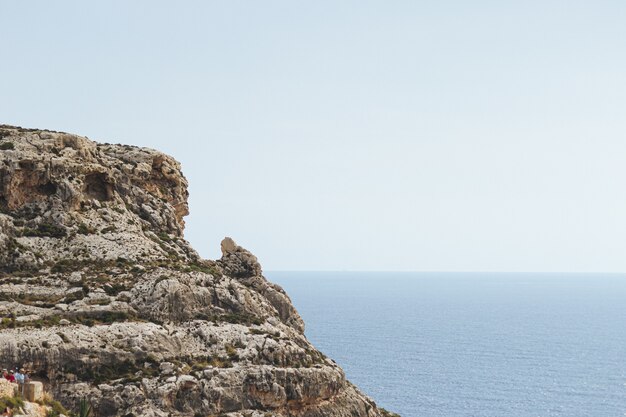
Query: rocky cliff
pixel 103 298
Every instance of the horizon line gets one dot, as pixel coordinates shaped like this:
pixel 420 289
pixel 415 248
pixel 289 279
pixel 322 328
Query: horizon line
pixel 446 272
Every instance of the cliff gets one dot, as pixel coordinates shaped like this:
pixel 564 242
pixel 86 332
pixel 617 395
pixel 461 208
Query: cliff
pixel 103 298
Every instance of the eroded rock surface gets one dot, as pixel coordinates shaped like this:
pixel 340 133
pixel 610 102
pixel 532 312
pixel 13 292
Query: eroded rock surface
pixel 102 296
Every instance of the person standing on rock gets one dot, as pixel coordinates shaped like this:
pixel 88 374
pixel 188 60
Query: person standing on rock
pixel 19 378
pixel 8 376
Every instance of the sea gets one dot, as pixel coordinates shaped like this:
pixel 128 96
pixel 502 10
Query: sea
pixel 472 344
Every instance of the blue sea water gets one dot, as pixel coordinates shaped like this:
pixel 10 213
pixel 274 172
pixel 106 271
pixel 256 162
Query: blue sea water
pixel 471 344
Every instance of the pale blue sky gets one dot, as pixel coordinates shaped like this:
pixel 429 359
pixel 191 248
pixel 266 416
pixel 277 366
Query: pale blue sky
pixel 358 135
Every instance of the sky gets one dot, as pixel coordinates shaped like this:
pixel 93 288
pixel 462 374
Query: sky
pixel 353 135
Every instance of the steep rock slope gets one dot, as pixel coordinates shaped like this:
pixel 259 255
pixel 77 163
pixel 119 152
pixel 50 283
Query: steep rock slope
pixel 104 299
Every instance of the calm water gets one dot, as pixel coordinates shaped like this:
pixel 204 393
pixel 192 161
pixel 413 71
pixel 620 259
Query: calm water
pixel 441 344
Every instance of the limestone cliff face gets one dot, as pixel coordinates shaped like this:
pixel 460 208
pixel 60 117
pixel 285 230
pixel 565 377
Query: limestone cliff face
pixel 102 296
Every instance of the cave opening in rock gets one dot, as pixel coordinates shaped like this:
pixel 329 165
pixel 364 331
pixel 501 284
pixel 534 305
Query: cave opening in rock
pixel 48 188
pixel 97 187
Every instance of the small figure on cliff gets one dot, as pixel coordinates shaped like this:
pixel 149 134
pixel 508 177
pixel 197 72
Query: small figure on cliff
pixel 19 376
pixel 10 377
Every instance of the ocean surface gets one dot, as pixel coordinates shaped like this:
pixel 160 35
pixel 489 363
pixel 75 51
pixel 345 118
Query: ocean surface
pixel 472 344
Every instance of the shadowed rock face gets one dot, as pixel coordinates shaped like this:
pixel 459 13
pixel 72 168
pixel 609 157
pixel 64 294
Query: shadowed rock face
pixel 103 297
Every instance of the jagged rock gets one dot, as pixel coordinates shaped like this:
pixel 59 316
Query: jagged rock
pixel 7 389
pixel 103 297
pixel 72 198
pixel 228 245
pixel 238 262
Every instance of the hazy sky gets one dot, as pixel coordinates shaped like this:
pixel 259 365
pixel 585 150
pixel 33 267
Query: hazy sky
pixel 358 135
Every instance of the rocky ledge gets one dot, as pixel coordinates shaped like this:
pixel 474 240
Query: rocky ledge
pixel 101 296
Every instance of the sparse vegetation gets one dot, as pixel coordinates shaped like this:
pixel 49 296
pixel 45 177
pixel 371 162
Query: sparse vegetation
pixel 164 237
pixel 386 413
pixel 207 269
pixel 114 289
pixel 74 296
pixel 160 278
pixel 99 301
pixel 126 371
pixel 10 322
pixel 13 246
pixel 45 230
pixel 6 146
pixel 108 229
pixel 28 212
pixel 235 318
pixel 39 300
pixel 219 362
pixel 86 318
pixel 63 337
pixel 83 229
pixel 93 265
pixel 66 265
pixel 101 317
pixel 231 352
pixel 11 403
pixel 56 408
pixel 84 408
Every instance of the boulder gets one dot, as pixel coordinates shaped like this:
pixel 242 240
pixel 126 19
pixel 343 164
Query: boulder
pixel 33 391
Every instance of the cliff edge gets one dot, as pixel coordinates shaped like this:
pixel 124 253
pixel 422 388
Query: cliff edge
pixel 101 296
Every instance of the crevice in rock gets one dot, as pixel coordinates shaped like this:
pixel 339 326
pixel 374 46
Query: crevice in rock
pixel 96 186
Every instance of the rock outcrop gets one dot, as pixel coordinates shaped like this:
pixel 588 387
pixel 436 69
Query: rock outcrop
pixel 103 298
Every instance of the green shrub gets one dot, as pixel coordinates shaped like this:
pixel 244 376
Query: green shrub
pixel 164 237
pixel 100 301
pixel 93 318
pixel 231 352
pixel 47 321
pixel 7 323
pixel 240 318
pixel 126 370
pixel 83 229
pixel 66 265
pixel 220 362
pixel 197 267
pixel 114 289
pixel 6 146
pixel 10 402
pixel 84 409
pixel 386 413
pixel 73 296
pixel 45 230
pixel 56 408
pixel 235 318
